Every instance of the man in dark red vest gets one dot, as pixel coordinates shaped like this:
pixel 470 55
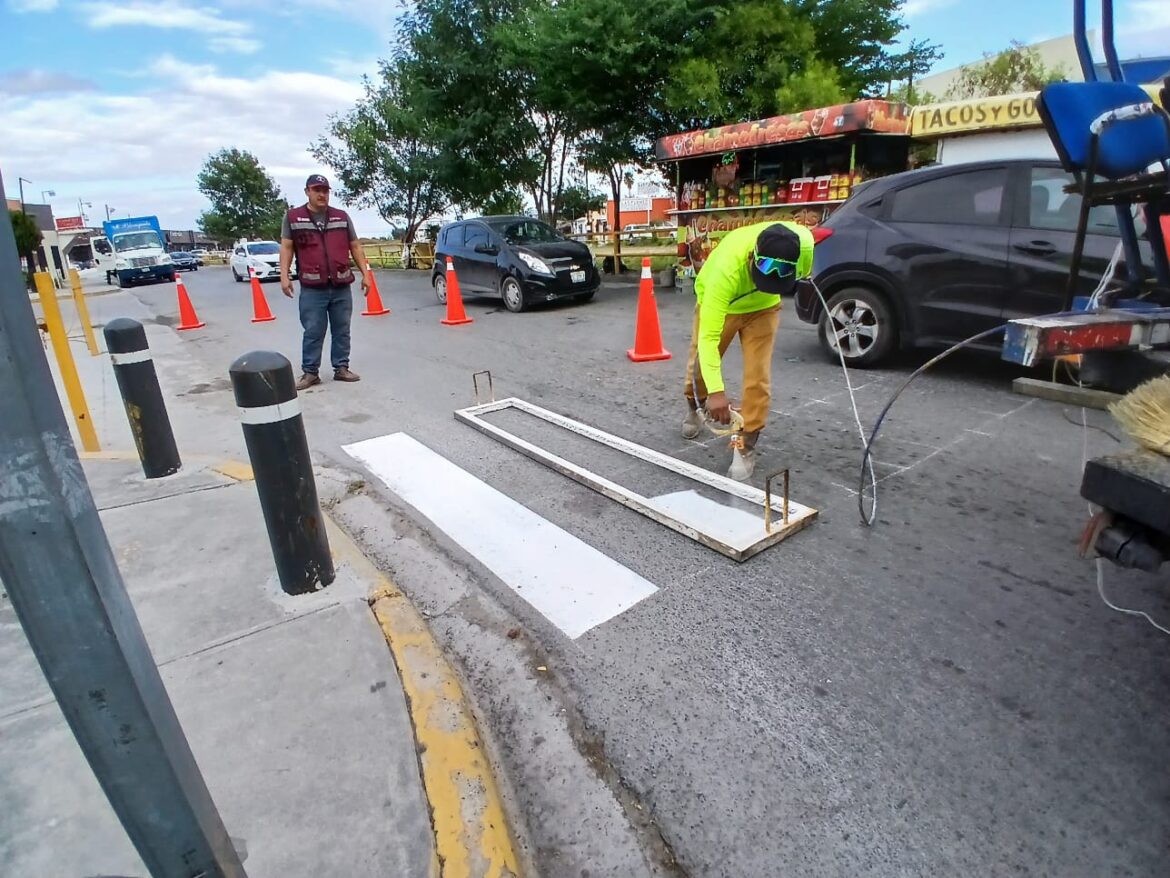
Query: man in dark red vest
pixel 323 239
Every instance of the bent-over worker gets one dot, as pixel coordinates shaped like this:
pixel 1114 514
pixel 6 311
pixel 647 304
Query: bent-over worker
pixel 738 292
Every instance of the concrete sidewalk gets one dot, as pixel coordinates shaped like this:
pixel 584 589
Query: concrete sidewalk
pixel 294 707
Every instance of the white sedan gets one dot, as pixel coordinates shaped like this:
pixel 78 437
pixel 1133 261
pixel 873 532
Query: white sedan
pixel 262 257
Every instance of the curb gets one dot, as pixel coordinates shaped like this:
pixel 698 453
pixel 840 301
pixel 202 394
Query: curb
pixel 472 838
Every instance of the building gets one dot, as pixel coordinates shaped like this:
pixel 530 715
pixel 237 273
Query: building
pixel 49 257
pixel 1058 52
pixel 642 210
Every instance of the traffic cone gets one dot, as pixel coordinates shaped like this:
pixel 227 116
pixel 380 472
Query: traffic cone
pixel 261 313
pixel 374 306
pixel 188 319
pixel 647 334
pixel 455 313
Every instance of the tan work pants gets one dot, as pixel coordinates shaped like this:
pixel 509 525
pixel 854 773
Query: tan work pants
pixel 757 335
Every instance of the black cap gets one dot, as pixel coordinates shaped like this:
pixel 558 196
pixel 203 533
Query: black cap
pixel 316 180
pixel 779 242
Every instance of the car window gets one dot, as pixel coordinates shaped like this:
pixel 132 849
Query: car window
pixel 476 235
pixel 264 248
pixel 530 232
pixel 1050 207
pixel 968 198
pixel 239 251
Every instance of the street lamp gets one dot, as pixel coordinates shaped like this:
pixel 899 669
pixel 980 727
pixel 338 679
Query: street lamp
pixel 81 206
pixel 109 210
pixel 46 194
pixel 20 182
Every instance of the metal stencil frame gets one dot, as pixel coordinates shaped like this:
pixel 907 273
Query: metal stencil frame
pixel 798 516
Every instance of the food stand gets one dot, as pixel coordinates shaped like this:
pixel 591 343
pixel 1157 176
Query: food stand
pixel 796 167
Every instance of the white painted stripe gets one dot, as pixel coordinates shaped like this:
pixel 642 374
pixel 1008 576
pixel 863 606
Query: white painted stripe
pixel 572 584
pixel 271 414
pixel 128 357
pixel 645 270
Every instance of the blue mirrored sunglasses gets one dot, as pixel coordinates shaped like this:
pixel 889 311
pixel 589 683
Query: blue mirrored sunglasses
pixel 774 265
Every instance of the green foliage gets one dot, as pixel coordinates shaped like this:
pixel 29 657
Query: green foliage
pixel 1016 69
pixel 245 201
pixel 577 201
pixel 506 202
pixel 384 154
pixel 24 229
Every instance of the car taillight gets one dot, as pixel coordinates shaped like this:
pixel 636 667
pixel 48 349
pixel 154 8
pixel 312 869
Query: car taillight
pixel 819 234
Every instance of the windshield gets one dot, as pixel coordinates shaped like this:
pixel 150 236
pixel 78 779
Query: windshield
pixel 529 232
pixel 136 241
pixel 264 248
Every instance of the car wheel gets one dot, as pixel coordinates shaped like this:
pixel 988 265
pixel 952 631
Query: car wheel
pixel 440 284
pixel 236 275
pixel 861 322
pixel 513 294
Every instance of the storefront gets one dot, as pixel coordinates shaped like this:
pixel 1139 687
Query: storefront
pixel 797 167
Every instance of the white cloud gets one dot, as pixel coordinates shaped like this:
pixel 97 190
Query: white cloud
pixel 36 81
pixel 224 34
pixel 914 8
pixel 149 156
pixel 240 45
pixel 32 5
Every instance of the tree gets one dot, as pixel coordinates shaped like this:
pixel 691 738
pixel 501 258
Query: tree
pixel 1016 69
pixel 506 202
pixel 245 201
pixel 853 36
pixel 577 201
pixel 453 52
pixel 384 155
pixel 913 64
pixel 28 238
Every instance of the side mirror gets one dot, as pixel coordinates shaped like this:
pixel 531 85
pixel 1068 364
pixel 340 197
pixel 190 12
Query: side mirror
pixel 487 249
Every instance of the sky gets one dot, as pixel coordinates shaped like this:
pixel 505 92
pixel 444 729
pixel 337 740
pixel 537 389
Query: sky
pixel 119 102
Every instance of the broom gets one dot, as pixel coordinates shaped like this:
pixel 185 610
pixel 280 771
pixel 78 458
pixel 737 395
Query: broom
pixel 1144 414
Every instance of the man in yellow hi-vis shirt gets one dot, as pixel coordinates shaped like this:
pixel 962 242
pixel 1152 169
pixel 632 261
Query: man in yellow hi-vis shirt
pixel 738 292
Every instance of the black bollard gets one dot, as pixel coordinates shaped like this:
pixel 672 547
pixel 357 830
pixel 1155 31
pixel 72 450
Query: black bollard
pixel 145 409
pixel 275 434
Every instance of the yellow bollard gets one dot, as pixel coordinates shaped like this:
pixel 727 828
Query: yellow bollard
pixel 60 340
pixel 83 312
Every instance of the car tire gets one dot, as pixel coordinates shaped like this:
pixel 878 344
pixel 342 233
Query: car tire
pixel 237 277
pixel 861 318
pixel 439 282
pixel 512 293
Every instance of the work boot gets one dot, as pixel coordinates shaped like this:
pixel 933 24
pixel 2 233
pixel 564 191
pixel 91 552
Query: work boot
pixel 743 463
pixel 308 380
pixel 343 374
pixel 692 425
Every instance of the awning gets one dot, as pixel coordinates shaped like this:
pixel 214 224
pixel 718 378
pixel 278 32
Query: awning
pixel 861 116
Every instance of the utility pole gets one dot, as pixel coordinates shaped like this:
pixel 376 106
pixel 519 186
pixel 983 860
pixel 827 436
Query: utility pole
pixel 61 576
pixel 108 212
pixel 20 182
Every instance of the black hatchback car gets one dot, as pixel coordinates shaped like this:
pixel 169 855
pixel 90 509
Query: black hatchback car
pixel 520 259
pixel 184 261
pixel 930 257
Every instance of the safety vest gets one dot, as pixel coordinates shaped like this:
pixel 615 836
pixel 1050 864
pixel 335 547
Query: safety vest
pixel 322 256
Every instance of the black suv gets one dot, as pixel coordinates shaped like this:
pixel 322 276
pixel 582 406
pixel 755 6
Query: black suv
pixel 520 259
pixel 933 256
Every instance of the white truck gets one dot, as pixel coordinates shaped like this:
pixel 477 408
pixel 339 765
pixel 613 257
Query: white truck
pixel 138 250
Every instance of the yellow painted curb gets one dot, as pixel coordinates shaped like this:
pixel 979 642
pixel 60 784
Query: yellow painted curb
pixel 235 469
pixel 472 838
pixel 232 469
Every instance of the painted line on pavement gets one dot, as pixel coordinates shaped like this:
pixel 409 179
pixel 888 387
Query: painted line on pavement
pixel 472 838
pixel 572 584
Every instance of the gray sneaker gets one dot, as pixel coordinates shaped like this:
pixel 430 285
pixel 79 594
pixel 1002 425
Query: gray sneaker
pixel 743 464
pixel 692 425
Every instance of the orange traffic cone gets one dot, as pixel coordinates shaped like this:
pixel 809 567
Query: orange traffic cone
pixel 188 319
pixel 374 306
pixel 261 313
pixel 455 313
pixel 647 334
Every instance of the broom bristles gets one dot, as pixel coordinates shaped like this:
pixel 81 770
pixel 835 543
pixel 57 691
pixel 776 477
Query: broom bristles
pixel 1144 414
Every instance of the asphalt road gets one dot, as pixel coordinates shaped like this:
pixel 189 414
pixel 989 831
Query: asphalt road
pixel 942 694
